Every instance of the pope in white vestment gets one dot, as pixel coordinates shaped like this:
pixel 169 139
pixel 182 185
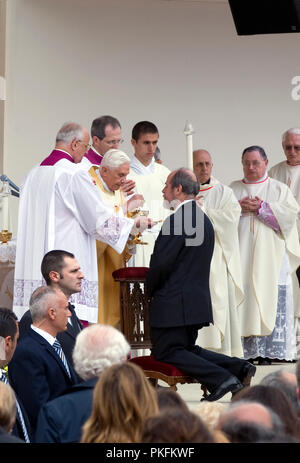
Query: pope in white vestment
pixel 226 285
pixel 270 252
pixel 60 208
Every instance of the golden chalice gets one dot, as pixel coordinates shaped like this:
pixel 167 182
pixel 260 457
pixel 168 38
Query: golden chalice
pixel 132 214
pixel 5 236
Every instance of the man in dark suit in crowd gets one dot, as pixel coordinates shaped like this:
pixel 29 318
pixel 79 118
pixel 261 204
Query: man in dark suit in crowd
pixel 39 371
pixel 9 333
pixel 60 271
pixel 97 347
pixel 178 279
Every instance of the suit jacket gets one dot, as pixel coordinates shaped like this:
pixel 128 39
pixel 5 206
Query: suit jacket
pixel 37 374
pixel 66 338
pixel 61 419
pixel 7 438
pixel 178 277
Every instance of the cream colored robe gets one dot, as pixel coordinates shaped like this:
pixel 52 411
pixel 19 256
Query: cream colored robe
pixel 226 286
pixel 290 175
pixel 108 261
pixel 262 251
pixel 150 182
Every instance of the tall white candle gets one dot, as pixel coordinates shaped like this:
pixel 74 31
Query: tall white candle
pixel 188 131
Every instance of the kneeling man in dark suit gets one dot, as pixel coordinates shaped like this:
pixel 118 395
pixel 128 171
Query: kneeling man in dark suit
pixel 178 279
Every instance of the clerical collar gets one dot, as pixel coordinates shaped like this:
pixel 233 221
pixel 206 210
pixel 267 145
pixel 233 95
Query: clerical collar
pixel 104 184
pixel 206 183
pixel 295 165
pixel 261 180
pixel 58 149
pixel 139 168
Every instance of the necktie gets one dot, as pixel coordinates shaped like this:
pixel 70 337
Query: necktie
pixel 57 347
pixel 19 412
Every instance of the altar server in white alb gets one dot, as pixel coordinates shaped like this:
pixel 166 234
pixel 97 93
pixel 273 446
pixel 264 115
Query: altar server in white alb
pixel 270 252
pixel 60 208
pixel 150 178
pixel 226 286
pixel 288 172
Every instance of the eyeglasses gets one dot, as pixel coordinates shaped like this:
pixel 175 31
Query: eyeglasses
pixel 290 147
pixel 113 142
pixel 87 147
pixel 249 163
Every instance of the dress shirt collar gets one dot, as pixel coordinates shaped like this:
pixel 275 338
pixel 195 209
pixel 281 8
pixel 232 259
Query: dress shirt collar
pixel 44 334
pixel 181 204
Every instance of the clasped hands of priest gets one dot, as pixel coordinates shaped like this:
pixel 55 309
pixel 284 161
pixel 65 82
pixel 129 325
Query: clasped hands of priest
pixel 249 204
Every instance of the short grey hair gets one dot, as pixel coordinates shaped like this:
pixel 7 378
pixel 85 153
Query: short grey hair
pixel 186 178
pixel 39 302
pixel 114 158
pixel 98 347
pixel 229 415
pixel 68 132
pixel 294 130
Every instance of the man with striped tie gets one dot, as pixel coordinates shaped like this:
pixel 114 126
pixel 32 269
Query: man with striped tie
pixel 39 370
pixel 9 333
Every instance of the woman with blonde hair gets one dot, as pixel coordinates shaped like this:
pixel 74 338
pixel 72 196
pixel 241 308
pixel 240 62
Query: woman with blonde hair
pixel 123 399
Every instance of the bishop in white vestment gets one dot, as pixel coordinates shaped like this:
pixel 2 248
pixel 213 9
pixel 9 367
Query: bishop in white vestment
pixel 288 172
pixel 60 208
pixel 226 286
pixel 270 252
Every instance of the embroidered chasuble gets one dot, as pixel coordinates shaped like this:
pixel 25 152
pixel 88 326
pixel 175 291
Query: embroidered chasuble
pixel 150 181
pixel 226 286
pixel 263 252
pixel 108 260
pixel 60 208
pixel 290 175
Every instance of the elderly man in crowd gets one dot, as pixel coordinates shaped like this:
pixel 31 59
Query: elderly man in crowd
pixel 226 286
pixel 109 178
pixel 97 347
pixel 39 370
pixel 60 208
pixel 288 172
pixel 270 252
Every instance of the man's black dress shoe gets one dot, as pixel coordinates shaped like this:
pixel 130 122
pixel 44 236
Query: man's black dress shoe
pixel 249 371
pixel 232 385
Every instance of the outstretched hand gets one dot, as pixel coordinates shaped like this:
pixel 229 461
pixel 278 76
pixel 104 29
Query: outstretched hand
pixel 134 202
